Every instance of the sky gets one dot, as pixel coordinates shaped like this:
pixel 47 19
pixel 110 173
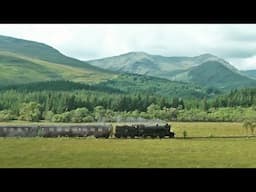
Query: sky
pixel 236 43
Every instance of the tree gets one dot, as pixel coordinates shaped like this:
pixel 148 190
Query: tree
pixel 249 125
pixel 30 111
pixel 6 115
pixel 153 110
pixel 57 118
pixel 205 105
pixel 99 113
pixel 48 115
pixel 175 102
pixel 181 104
pixel 79 114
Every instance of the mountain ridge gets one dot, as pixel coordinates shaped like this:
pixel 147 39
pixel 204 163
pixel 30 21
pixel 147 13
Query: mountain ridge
pixel 178 68
pixel 40 51
pixel 22 67
pixel 24 61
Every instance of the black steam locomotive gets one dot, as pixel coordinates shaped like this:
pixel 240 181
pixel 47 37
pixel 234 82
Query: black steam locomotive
pixel 98 131
pixel 144 131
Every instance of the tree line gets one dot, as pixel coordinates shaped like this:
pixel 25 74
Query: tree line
pixel 70 102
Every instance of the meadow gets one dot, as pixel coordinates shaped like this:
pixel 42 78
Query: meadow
pixel 213 151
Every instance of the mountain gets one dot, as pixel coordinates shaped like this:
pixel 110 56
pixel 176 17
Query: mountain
pixel 154 65
pixel 40 51
pixel 250 73
pixel 23 61
pixel 215 74
pixel 32 65
pixel 206 69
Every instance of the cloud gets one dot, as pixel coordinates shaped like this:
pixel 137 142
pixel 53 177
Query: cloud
pixel 244 64
pixel 234 42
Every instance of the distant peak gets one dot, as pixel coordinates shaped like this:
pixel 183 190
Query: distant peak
pixel 136 53
pixel 207 55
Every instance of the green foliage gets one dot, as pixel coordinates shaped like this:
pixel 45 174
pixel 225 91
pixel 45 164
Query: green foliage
pixel 185 134
pixel 227 114
pixel 249 124
pixel 79 114
pixel 30 111
pixel 48 115
pixel 88 119
pixel 87 103
pixel 138 84
pixel 57 118
pixel 245 97
pixel 59 85
pixel 6 115
pixel 152 108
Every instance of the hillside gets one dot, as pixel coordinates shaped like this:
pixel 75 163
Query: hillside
pixel 23 61
pixel 155 65
pixel 17 69
pixel 206 70
pixel 133 83
pixel 215 74
pixel 58 86
pixel 250 73
pixel 40 51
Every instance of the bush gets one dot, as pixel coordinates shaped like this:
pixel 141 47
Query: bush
pixel 30 111
pixel 88 119
pixel 185 134
pixel 48 115
pixel 57 118
pixel 6 115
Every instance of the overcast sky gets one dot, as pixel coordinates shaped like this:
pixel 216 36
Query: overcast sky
pixel 235 43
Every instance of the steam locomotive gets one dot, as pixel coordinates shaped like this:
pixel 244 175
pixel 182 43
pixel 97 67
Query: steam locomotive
pixel 98 131
pixel 144 131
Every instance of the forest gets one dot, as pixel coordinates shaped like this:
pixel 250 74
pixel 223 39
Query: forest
pixel 65 101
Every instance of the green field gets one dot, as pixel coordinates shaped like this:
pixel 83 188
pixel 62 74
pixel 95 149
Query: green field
pixel 198 129
pixel 136 153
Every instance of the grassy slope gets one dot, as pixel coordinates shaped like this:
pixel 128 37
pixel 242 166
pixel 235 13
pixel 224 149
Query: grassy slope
pixel 41 51
pixel 18 69
pixel 215 74
pixel 15 69
pixel 75 152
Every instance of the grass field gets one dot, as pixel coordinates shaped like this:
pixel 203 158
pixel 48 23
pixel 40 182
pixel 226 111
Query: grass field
pixel 137 153
pixel 197 129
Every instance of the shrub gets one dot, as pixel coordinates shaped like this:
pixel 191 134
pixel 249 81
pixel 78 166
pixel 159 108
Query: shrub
pixel 185 134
